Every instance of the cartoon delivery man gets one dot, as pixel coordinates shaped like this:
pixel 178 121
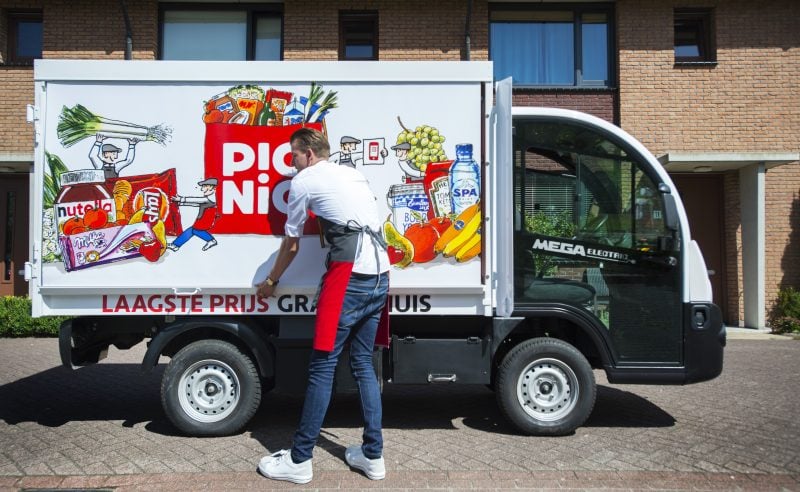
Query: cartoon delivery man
pixel 347 155
pixel 405 162
pixel 206 215
pixel 106 156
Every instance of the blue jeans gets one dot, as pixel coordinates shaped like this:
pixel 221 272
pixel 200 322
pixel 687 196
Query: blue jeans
pixel 188 233
pixel 358 324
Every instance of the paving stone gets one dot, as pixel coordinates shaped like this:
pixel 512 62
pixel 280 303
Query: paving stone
pixel 60 424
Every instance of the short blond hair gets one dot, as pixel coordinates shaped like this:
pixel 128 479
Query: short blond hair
pixel 308 138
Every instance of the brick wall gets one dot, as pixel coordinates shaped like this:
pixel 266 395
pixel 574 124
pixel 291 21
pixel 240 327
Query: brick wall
pixel 601 103
pixel 748 102
pixel 80 29
pixel 16 87
pixel 733 248
pixel 782 229
pixel 408 30
pixel 92 29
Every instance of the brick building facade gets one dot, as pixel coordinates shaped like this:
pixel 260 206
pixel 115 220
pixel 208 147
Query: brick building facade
pixel 746 105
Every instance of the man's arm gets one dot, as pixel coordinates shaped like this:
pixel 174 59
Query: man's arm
pixel 129 156
pixel 94 155
pixel 289 248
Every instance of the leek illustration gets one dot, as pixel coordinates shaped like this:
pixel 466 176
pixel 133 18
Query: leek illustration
pixel 77 123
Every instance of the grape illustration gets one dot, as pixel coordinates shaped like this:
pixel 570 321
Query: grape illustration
pixel 426 145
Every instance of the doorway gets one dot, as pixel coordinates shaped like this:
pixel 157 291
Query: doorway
pixel 14 226
pixel 703 199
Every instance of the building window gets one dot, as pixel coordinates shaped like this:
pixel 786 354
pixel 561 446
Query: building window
pixel 221 32
pixel 552 45
pixel 24 37
pixel 694 36
pixel 358 35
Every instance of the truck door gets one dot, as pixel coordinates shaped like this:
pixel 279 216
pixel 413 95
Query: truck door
pixel 590 232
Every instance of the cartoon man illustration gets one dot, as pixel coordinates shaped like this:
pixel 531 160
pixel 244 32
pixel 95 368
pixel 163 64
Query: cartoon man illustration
pixel 406 164
pixel 347 155
pixel 206 215
pixel 106 156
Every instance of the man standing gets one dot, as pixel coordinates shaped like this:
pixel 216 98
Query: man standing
pixel 351 306
pixel 206 215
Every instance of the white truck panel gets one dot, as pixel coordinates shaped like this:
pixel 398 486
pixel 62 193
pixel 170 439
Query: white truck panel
pixel 252 175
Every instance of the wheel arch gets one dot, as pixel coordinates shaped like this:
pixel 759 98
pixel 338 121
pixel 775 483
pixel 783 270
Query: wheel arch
pixel 561 321
pixel 241 334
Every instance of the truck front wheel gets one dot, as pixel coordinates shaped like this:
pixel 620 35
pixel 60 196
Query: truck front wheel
pixel 210 388
pixel 546 387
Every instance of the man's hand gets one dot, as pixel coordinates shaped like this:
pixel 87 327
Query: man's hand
pixel 100 138
pixel 265 290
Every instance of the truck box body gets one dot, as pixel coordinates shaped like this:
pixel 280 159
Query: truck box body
pixel 252 167
pixel 528 245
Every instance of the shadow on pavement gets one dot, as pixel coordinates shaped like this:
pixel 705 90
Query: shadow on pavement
pixel 101 392
pixel 123 392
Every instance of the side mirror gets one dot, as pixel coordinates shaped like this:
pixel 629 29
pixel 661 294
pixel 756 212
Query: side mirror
pixel 670 212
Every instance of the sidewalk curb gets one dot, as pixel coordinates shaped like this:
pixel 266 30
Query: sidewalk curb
pixel 735 333
pixel 342 480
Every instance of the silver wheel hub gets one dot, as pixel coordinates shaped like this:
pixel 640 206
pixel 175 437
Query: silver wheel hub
pixel 208 391
pixel 547 389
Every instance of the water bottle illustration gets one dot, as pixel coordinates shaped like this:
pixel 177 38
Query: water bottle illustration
pixel 465 179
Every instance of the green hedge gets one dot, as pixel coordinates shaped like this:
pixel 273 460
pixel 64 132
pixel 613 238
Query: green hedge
pixel 787 311
pixel 16 321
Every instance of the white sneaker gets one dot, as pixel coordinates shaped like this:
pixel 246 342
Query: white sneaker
pixel 209 245
pixel 172 247
pixel 279 466
pixel 374 469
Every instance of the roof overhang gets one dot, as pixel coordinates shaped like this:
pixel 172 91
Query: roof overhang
pixel 689 162
pixel 16 162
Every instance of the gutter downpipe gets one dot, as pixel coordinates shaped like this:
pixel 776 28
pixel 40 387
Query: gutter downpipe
pixel 128 33
pixel 467 54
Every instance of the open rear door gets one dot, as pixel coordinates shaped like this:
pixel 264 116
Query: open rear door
pixel 503 199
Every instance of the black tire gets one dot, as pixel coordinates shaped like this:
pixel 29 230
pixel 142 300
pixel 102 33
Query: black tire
pixel 565 383
pixel 197 378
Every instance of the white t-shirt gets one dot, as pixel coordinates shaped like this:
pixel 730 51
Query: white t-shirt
pixel 338 194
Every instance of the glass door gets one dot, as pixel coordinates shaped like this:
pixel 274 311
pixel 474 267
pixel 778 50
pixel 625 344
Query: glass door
pixel 590 232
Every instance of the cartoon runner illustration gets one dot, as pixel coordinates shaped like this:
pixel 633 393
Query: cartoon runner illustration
pixel 105 156
pixel 206 215
pixel 347 155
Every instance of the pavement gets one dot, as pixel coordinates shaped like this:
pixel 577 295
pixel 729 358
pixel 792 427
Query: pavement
pixel 102 428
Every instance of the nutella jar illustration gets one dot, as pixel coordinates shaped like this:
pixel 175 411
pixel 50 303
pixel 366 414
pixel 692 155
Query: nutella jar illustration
pixel 82 206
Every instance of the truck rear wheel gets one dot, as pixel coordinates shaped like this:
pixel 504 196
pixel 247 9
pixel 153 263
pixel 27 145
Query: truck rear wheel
pixel 210 388
pixel 545 387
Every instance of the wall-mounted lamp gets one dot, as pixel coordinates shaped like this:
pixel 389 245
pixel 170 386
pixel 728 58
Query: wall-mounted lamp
pixel 703 169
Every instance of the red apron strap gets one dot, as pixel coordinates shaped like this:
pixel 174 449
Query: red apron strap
pixel 329 305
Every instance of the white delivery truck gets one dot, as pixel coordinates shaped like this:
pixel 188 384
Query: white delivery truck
pixel 529 245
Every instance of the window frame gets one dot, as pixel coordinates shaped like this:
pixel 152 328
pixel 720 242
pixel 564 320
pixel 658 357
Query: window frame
pixel 353 16
pixel 706 36
pixel 13 18
pixel 577 10
pixel 254 12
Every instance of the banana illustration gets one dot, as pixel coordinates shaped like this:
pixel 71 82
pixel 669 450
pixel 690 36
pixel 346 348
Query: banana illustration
pixel 456 227
pixel 465 235
pixel 137 217
pixel 471 248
